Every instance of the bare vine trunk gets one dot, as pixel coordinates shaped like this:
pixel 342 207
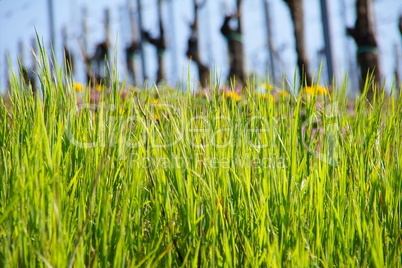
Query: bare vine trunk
pixel 367 49
pixel 234 40
pixel 134 47
pixel 160 44
pixel 297 14
pixel 193 51
pixel 68 59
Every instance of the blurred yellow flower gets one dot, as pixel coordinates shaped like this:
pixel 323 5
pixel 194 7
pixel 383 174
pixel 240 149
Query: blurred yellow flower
pixel 232 95
pixel 315 90
pixel 156 117
pixel 322 90
pixel 99 88
pixel 78 87
pixel 283 94
pixel 267 96
pixel 267 87
pixel 154 101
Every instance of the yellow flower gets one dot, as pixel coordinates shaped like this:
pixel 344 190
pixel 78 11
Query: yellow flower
pixel 154 101
pixel 78 87
pixel 155 104
pixel 233 95
pixel 267 96
pixel 283 94
pixel 309 90
pixel 99 88
pixel 315 90
pixel 267 87
pixel 156 117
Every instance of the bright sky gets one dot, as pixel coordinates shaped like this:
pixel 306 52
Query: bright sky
pixel 20 18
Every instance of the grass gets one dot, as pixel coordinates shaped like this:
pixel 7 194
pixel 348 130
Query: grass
pixel 197 181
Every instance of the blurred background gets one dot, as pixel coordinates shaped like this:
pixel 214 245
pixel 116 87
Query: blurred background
pixel 267 29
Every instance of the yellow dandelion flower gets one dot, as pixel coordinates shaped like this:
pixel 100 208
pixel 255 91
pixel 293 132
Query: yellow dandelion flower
pixel 156 117
pixel 233 95
pixel 99 88
pixel 283 94
pixel 267 96
pixel 155 104
pixel 78 87
pixel 154 101
pixel 308 90
pixel 322 90
pixel 315 90
pixel 267 87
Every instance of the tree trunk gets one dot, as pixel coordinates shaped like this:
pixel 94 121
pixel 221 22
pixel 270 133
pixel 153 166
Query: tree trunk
pixel 233 37
pixel 193 52
pixel 297 14
pixel 67 55
pixel 134 46
pixel 367 56
pixel 99 73
pixel 141 43
pixel 159 43
pixel 131 50
pixel 162 46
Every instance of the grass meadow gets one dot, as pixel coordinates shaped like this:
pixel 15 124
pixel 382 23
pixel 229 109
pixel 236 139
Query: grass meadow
pixel 159 177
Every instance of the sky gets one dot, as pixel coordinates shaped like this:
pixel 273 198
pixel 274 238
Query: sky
pixel 20 18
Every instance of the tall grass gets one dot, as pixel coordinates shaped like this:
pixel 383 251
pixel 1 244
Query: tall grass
pixel 192 181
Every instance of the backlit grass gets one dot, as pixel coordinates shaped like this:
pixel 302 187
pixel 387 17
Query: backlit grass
pixel 166 178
